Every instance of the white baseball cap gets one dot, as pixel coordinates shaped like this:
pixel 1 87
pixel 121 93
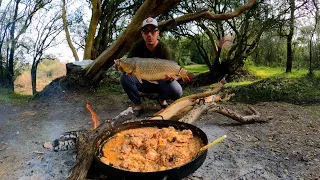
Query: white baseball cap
pixel 150 21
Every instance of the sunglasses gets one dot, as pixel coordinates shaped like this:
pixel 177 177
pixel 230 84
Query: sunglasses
pixel 146 31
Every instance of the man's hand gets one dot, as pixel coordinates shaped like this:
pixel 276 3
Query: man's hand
pixel 117 65
pixel 170 78
pixel 167 77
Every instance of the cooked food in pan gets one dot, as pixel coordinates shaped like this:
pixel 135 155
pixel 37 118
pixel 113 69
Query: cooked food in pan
pixel 150 149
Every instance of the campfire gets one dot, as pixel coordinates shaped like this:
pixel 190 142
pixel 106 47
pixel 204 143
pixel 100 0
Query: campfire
pixel 188 109
pixel 95 119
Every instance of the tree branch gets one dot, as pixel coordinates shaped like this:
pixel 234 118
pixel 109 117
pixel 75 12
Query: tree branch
pixel 254 117
pixel 209 15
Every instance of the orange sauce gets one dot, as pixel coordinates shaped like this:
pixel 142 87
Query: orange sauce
pixel 150 149
pixel 112 147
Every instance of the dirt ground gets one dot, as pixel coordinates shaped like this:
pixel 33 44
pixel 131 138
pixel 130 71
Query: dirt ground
pixel 287 147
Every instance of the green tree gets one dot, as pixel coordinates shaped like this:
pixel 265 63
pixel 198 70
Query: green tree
pixel 224 45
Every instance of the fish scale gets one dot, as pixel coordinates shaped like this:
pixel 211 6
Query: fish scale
pixel 152 69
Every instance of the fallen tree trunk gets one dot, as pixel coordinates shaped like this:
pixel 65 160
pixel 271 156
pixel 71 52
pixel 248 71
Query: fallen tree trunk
pixel 184 102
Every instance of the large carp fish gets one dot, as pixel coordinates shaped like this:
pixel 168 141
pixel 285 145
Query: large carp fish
pixel 151 69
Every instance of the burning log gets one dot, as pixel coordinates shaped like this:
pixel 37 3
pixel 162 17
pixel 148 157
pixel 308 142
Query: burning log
pixel 85 144
pixel 66 141
pixel 184 102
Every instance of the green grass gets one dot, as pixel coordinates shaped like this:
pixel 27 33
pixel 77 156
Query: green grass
pixel 9 96
pixel 267 72
pixel 242 83
pixel 273 84
pixel 197 68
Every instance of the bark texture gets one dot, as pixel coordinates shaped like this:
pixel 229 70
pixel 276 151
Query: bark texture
pixel 96 13
pixel 66 30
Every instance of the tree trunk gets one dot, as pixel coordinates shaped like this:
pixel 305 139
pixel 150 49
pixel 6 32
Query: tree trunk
pixel 289 54
pixel 1 69
pixel 289 38
pixel 96 12
pixel 310 55
pixel 34 79
pixel 2 75
pixel 313 31
pixel 66 30
pixel 110 13
pixel 132 34
pixel 12 49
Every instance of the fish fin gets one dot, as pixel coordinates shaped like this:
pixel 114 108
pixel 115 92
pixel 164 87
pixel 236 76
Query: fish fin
pixel 154 82
pixel 175 77
pixel 131 73
pixel 116 64
pixel 185 75
pixel 139 78
pixel 167 77
pixel 137 74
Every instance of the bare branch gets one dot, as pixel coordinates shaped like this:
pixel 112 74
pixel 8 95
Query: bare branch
pixel 209 15
pixel 254 117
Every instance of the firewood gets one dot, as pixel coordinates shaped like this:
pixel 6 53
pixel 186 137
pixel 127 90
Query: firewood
pixel 181 103
pixel 194 114
pixel 254 117
pixel 199 109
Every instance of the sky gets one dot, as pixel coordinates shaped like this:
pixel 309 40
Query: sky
pixel 62 50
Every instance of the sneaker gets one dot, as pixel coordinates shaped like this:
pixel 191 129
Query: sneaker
pixel 138 112
pixel 164 106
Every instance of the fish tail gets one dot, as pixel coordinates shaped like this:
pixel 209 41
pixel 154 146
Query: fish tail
pixel 116 64
pixel 186 76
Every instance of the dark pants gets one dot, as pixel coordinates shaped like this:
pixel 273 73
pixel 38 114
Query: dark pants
pixel 166 89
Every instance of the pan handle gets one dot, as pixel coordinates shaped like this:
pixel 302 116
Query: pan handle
pixel 154 116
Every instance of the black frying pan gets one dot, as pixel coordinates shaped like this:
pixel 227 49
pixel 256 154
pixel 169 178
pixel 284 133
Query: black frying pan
pixel 175 173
